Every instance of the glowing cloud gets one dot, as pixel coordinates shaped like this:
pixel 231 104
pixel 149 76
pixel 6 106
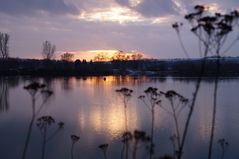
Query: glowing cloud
pixel 134 3
pixel 115 14
pixel 180 7
pixel 121 15
pixel 213 8
pixel 160 20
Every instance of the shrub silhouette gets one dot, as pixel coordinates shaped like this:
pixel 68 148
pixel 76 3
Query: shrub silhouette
pixel 212 31
pixel 126 94
pixel 104 148
pixel 34 89
pixel 177 103
pixel 43 123
pixel 151 99
pixel 74 139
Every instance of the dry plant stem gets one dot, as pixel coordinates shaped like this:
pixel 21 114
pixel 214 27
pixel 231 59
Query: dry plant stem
pixel 29 132
pixel 105 156
pixel 176 122
pixel 52 136
pixel 125 115
pixel 122 152
pixel 135 149
pixel 152 133
pixel 214 110
pixel 182 45
pixel 127 150
pixel 44 143
pixel 72 148
pixel 222 156
pixel 180 152
pixel 126 129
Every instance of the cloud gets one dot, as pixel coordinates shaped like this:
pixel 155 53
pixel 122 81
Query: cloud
pixel 154 8
pixel 150 8
pixel 29 7
pixel 121 15
pixel 127 25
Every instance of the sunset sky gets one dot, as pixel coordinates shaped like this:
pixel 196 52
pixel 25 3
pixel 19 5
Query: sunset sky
pixel 80 26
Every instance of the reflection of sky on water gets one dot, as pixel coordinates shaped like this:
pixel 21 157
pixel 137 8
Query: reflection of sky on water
pixel 92 109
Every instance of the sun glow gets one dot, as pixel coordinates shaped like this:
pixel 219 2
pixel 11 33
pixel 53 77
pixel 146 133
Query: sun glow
pixel 108 55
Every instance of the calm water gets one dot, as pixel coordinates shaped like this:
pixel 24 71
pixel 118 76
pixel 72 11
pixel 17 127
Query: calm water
pixel 92 109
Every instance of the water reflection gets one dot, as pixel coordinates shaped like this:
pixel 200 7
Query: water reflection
pixel 48 81
pixel 67 83
pixel 106 119
pixel 95 112
pixel 5 84
pixel 117 80
pixel 35 89
pixel 4 93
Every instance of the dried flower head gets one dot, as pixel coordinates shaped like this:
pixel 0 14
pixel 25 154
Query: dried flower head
pixel 125 91
pixel 61 125
pixel 127 136
pixel 75 138
pixel 103 146
pixel 33 88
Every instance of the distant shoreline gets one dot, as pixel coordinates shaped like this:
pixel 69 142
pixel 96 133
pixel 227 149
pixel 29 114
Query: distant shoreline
pixel 229 67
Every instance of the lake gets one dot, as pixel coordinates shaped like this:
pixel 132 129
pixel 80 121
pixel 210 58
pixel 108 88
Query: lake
pixel 91 109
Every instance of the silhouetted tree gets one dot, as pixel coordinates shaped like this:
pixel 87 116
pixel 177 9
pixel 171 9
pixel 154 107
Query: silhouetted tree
pixel 101 57
pixel 67 56
pixel 4 48
pixel 48 50
pixel 136 56
pixel 120 55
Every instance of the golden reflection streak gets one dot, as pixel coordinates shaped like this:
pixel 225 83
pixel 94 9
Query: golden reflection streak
pixel 108 119
pixel 107 83
pixel 106 116
pixel 115 120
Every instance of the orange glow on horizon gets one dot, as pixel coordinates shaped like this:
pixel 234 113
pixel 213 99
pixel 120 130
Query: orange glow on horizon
pixel 108 55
